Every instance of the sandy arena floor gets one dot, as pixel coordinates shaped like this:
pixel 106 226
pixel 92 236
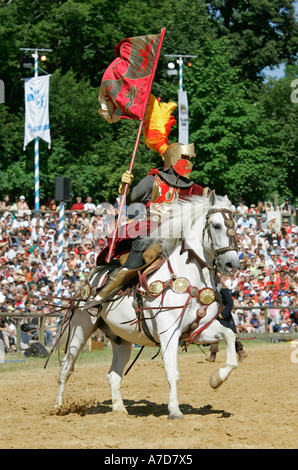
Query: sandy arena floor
pixel 256 408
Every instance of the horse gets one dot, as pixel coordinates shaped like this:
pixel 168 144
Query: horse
pixel 179 300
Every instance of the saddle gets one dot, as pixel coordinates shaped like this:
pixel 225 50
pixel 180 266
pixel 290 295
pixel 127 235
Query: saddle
pixel 130 282
pixel 136 284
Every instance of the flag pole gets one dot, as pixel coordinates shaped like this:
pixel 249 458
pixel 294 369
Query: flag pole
pixel 36 147
pixel 123 198
pixel 60 251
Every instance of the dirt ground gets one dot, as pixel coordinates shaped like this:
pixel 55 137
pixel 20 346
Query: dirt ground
pixel 255 409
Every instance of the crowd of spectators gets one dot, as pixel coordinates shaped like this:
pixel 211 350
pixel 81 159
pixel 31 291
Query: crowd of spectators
pixel 268 254
pixel 29 255
pixel 268 275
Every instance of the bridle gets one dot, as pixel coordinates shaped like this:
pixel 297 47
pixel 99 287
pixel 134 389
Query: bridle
pixel 230 232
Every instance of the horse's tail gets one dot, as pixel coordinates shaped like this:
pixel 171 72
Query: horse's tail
pixel 62 335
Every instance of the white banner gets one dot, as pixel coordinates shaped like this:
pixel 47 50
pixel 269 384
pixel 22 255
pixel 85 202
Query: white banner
pixel 183 117
pixel 37 122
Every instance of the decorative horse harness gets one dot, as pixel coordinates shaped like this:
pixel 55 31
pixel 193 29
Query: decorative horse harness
pixel 181 285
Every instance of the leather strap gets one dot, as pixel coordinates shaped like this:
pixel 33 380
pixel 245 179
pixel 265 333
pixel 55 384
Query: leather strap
pixel 193 255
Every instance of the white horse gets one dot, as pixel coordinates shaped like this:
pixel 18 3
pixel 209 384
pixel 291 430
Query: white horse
pixel 180 299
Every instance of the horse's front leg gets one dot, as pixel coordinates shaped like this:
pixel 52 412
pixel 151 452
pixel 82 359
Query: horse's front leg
pixel 169 346
pixel 223 373
pixel 214 333
pixel 121 355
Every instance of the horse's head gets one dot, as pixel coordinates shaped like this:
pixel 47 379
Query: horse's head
pixel 219 235
pixel 206 226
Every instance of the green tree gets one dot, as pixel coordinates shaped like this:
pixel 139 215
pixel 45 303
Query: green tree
pixel 261 32
pixel 245 137
pixel 282 124
pixel 230 129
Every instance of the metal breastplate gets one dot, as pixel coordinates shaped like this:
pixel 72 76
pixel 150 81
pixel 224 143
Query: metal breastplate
pixel 163 195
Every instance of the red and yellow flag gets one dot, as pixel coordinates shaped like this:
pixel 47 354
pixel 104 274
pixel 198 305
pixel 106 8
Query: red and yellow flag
pixel 127 82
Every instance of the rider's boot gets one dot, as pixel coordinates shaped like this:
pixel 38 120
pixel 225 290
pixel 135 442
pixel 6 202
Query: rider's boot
pixel 122 277
pixel 125 275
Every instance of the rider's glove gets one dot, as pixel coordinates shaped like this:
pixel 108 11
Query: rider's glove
pixel 127 178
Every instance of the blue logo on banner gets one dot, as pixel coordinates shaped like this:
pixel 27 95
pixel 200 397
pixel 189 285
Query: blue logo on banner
pixel 39 101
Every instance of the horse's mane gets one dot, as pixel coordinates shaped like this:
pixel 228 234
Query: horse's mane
pixel 179 221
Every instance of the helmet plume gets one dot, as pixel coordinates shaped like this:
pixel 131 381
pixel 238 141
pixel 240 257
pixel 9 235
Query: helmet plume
pixel 157 124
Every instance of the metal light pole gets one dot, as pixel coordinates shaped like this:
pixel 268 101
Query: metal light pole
pixel 36 140
pixel 182 99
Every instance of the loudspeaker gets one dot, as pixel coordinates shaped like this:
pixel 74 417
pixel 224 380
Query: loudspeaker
pixel 63 189
pixel 36 350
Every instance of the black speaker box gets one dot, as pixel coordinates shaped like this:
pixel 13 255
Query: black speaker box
pixel 63 189
pixel 36 350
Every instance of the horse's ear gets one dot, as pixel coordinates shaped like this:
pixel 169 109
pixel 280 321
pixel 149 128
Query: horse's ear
pixel 212 198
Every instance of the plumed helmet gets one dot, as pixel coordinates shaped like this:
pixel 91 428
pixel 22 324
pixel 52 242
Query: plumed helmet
pixel 179 157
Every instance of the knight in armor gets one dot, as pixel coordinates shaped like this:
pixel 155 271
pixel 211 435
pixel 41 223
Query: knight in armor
pixel 160 188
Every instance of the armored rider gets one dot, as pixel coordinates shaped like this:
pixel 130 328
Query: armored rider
pixel 160 188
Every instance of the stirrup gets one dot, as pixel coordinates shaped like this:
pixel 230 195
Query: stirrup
pixel 93 311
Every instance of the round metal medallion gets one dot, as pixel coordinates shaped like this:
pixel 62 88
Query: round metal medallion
pixel 156 288
pixel 207 296
pixel 201 312
pixel 86 291
pixel 231 232
pixel 180 285
pixel 230 223
pixel 194 291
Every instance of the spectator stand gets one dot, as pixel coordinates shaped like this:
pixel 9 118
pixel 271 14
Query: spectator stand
pixel 267 241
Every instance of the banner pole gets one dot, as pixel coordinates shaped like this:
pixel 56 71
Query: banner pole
pixel 123 198
pixel 36 148
pixel 60 251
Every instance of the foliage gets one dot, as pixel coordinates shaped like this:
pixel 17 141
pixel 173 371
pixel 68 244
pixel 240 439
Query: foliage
pixel 243 127
pixel 261 32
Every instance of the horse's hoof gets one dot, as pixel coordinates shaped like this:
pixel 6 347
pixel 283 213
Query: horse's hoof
pixel 176 415
pixel 215 380
pixel 58 402
pixel 120 409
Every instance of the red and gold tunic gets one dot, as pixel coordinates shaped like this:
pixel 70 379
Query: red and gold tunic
pixel 157 192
